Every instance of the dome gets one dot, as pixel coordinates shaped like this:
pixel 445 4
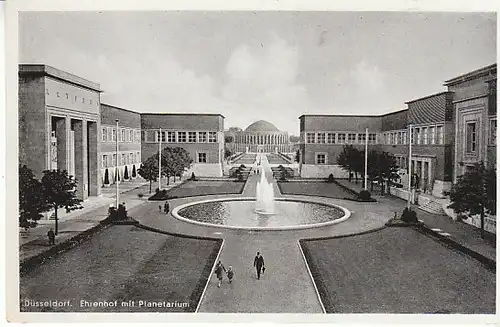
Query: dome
pixel 261 126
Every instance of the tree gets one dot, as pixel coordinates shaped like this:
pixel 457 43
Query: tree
pixel 181 161
pixel 297 156
pixel 349 159
pixel 134 172
pixel 234 129
pixel 125 174
pixel 59 191
pixel 31 201
pixel 381 167
pixel 106 177
pixel 475 193
pixel 229 139
pixel 149 170
pixel 294 139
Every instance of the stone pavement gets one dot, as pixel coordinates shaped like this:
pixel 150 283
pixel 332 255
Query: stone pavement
pixel 463 233
pixel 35 240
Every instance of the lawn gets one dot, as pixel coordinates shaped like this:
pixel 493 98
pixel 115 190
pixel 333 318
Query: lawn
pixel 275 159
pixel 246 159
pixel 331 190
pixel 398 270
pixel 197 188
pixel 123 263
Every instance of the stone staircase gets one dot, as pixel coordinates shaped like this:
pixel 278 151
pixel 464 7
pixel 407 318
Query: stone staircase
pixel 433 207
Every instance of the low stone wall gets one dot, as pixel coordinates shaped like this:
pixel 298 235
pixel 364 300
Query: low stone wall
pixel 205 170
pixel 322 171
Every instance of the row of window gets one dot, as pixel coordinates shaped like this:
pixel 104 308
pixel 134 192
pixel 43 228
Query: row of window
pixel 428 135
pixel 108 134
pixel 126 159
pixel 180 137
pixel 74 98
pixel 340 138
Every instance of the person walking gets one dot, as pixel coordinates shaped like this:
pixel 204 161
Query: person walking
pixel 230 274
pixel 159 208
pixel 258 263
pixel 166 207
pixel 219 268
pixel 52 237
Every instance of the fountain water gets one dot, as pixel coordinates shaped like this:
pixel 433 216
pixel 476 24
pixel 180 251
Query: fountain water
pixel 264 195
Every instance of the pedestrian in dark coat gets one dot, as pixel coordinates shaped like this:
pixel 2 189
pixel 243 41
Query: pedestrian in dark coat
pixel 219 268
pixel 166 207
pixel 258 263
pixel 52 237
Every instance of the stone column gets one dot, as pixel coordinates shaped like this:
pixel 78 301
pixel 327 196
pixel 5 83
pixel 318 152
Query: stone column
pixel 63 127
pixel 81 169
pixel 94 165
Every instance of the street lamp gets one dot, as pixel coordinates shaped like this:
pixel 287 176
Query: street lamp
pixel 366 159
pixel 159 163
pixel 116 167
pixel 409 167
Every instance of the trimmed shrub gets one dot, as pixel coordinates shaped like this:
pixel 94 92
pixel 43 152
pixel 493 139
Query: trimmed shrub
pixel 409 216
pixel 364 195
pixel 240 177
pixel 330 179
pixel 140 195
pixel 283 176
pixel 134 172
pixel 125 175
pixel 242 166
pixel 106 177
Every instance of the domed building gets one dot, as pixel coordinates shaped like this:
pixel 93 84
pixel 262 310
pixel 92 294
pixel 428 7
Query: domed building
pixel 261 136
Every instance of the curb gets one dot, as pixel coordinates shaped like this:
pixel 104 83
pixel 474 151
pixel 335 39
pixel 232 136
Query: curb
pixel 209 276
pixel 205 194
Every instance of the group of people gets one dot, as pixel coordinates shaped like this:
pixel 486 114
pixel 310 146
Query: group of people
pixel 258 263
pixel 166 207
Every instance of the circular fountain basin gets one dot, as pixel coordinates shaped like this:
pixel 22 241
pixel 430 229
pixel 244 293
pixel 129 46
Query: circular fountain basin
pixel 239 213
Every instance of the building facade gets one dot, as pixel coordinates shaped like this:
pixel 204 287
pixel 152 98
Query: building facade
pixel 201 135
pixel 59 120
pixel 260 136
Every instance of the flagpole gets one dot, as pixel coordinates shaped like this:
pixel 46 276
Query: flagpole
pixel 366 159
pixel 116 168
pixel 409 167
pixel 159 162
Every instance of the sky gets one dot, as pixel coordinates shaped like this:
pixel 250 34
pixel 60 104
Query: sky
pixel 250 66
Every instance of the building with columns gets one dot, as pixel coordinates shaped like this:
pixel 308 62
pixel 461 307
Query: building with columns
pixel 261 136
pixel 59 119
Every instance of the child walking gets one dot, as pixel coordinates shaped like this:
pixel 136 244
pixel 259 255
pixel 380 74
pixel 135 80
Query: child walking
pixel 219 268
pixel 230 274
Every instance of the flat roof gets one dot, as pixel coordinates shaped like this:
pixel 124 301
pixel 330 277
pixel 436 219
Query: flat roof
pixel 472 75
pixel 45 70
pixel 115 107
pixel 181 114
pixel 364 116
pixel 429 96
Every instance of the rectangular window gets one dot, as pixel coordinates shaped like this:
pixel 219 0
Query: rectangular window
pixel 331 138
pixel 424 135
pixel 122 135
pixel 151 136
pixel 391 138
pixel 131 158
pixel 362 138
pixel 104 162
pixel 311 137
pixel 321 137
pixel 404 137
pixel 202 157
pixel 493 132
pixel 440 135
pixel 123 159
pixel 137 136
pixel 104 132
pixel 202 137
pixel 341 138
pixel 131 135
pixel 192 137
pixel 432 135
pixel 212 137
pixel 418 135
pixel 113 134
pixel 114 160
pixel 400 137
pixel 471 141
pixel 320 158
pixel 351 138
pixel 372 138
pixel 181 137
pixel 171 137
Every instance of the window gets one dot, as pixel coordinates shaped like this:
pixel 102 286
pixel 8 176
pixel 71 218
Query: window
pixel 424 133
pixel 181 137
pixel 57 94
pixel 321 137
pixel 113 134
pixel 432 135
pixel 311 137
pixel 122 135
pixel 212 137
pixel 471 137
pixel 192 137
pixel 493 131
pixel 104 133
pixel 123 159
pixel 341 138
pixel 202 157
pixel 400 137
pixel 131 135
pixel 362 138
pixel 90 101
pixel 372 138
pixel 163 135
pixel 114 160
pixel 351 138
pixel 83 100
pixel 320 158
pixel 171 137
pixel 104 162
pixel 67 96
pixel 137 136
pixel 130 158
pixel 138 157
pixel 404 137
pixel 417 132
pixel 331 138
pixel 202 137
pixel 76 97
pixel 440 135
pixel 151 136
